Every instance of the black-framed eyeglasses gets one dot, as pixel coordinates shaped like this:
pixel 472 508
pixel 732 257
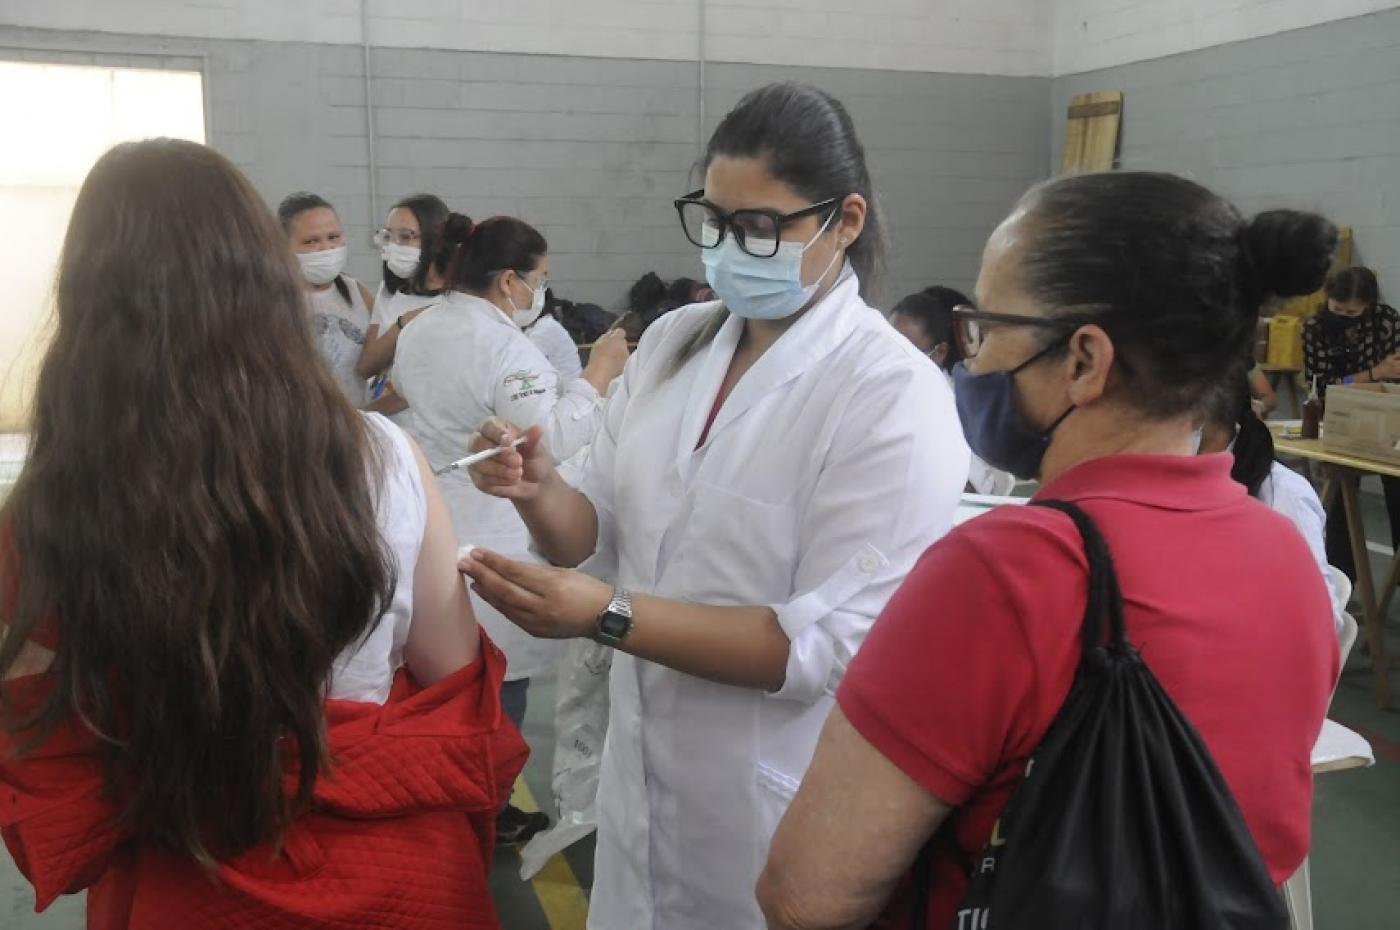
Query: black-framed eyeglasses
pixel 757 232
pixel 969 324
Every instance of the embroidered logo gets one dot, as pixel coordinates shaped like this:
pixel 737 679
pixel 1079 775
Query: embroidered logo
pixel 524 380
pixel 522 384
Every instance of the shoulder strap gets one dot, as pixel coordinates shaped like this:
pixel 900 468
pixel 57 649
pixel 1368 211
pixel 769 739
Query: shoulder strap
pixel 1105 596
pixel 1105 599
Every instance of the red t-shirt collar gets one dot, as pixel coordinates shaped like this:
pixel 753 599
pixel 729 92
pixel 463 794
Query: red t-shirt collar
pixel 1168 482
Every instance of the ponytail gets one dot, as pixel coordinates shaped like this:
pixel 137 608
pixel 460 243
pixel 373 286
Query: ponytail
pixel 1254 444
pixel 472 254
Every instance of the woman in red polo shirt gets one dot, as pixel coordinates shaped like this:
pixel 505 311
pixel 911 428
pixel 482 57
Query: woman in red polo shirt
pixel 1112 305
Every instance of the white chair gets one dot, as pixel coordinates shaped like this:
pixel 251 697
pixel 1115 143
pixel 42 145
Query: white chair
pixel 1341 590
pixel 1337 749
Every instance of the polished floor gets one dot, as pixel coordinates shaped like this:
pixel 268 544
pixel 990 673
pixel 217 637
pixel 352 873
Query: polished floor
pixel 1356 841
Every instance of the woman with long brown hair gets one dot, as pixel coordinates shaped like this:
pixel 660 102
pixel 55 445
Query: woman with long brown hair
pixel 213 571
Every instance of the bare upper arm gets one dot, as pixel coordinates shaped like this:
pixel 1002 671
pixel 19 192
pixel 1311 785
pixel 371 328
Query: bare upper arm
pixel 855 827
pixel 442 637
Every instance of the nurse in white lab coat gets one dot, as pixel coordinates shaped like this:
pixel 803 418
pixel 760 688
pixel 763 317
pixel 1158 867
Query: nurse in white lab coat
pixel 769 468
pixel 464 360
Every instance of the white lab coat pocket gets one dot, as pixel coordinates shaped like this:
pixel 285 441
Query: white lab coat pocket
pixel 733 549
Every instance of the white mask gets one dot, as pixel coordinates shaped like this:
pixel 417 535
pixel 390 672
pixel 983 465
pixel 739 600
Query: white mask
pixel 401 259
pixel 524 318
pixel 322 267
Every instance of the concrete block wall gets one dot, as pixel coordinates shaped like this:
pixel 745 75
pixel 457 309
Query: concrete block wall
pixel 1308 119
pixel 963 36
pixel 1091 34
pixel 591 150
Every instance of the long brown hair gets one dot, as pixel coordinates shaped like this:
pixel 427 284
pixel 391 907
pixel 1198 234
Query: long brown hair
pixel 197 515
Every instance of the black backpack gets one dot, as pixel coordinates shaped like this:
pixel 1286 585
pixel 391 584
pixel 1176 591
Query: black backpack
pixel 1121 821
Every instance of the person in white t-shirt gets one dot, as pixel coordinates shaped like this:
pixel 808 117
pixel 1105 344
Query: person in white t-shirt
pixel 339 305
pixel 407 241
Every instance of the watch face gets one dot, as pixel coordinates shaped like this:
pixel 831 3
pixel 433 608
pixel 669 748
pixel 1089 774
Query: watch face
pixel 614 625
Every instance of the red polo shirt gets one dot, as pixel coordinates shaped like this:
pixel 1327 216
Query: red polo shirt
pixel 974 655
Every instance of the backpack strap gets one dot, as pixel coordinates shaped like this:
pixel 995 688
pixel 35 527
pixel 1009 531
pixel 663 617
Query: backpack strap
pixel 1105 599
pixel 943 842
pixel 1105 596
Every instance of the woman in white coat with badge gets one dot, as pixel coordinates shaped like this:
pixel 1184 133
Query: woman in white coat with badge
pixel 464 360
pixel 768 470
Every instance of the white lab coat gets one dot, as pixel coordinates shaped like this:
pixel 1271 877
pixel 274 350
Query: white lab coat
pixel 551 338
pixel 836 460
pixel 459 363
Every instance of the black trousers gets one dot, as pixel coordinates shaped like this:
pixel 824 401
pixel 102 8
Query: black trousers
pixel 1339 542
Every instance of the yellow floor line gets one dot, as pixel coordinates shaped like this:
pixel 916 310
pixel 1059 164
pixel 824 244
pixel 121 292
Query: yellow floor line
pixel 564 904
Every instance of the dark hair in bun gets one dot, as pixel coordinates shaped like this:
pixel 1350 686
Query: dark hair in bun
pixel 1170 270
pixel 473 254
pixel 1287 253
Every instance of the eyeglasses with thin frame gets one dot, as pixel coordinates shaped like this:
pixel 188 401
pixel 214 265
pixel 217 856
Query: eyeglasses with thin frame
pixel 969 324
pixel 384 235
pixel 757 232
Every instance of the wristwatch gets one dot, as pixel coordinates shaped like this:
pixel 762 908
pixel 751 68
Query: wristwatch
pixel 615 622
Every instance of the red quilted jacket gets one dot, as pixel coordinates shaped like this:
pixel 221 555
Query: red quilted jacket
pixel 401 833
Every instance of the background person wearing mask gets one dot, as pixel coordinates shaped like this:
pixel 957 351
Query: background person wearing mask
pixel 926 320
pixel 1355 339
pixel 465 361
pixel 263 701
pixel 768 469
pixel 1114 305
pixel 338 304
pixel 407 242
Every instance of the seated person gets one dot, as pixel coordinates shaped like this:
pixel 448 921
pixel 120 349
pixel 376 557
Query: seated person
pixel 1354 339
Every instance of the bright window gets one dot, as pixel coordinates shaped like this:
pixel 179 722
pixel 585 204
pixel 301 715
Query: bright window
pixel 60 119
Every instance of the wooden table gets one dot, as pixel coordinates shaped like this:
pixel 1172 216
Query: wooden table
pixel 1344 474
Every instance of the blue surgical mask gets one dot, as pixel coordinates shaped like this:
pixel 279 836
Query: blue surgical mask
pixel 762 288
pixel 994 427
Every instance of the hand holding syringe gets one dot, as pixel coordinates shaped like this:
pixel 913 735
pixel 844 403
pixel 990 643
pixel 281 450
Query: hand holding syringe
pixel 475 457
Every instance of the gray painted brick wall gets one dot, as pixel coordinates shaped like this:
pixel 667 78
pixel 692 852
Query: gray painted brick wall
pixel 591 150
pixel 1307 119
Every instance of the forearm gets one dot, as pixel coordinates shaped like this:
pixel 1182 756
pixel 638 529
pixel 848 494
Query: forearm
pixel 378 352
pixel 1364 376
pixel 388 404
pixel 741 646
pixel 561 521
pixel 599 377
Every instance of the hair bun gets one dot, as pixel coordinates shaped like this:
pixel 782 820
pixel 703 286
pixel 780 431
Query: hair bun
pixel 458 228
pixel 1288 252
